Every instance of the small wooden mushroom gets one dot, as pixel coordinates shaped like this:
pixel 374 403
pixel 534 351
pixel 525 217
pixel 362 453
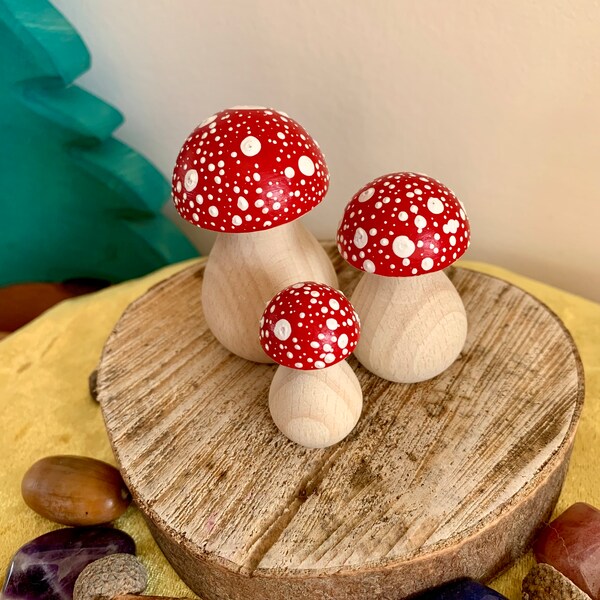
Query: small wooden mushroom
pixel 249 173
pixel 402 230
pixel 114 577
pixel 309 329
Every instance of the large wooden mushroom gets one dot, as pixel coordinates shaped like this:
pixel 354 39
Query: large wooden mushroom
pixel 249 173
pixel 310 329
pixel 402 229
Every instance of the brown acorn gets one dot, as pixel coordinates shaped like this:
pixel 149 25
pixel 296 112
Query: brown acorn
pixel 75 490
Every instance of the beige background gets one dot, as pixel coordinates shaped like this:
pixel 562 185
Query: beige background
pixel 498 99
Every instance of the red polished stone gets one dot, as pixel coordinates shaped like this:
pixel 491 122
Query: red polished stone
pixel 571 544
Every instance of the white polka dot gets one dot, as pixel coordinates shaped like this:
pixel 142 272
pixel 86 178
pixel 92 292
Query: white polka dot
pixel 342 340
pixel 236 220
pixel 195 217
pixel 329 358
pixel 314 344
pixel 319 364
pixel 427 263
pixel 207 121
pixel 199 199
pixel 452 240
pixel 403 216
pixel 259 203
pixel 289 172
pixel 178 186
pixel 435 205
pixel 332 324
pixel 403 246
pixel 242 203
pixel 366 195
pixel 420 221
pixel 213 211
pixel 191 180
pixel 369 266
pixel 306 165
pixel 282 330
pixel 360 238
pixel 384 241
pixel 280 135
pixel 250 146
pixel 462 214
pixel 334 304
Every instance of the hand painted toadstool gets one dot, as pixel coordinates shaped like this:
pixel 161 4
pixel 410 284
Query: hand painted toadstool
pixel 249 173
pixel 309 329
pixel 402 229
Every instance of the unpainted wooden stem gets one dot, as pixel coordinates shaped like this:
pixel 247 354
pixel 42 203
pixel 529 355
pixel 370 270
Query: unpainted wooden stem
pixel 317 408
pixel 245 270
pixel 412 328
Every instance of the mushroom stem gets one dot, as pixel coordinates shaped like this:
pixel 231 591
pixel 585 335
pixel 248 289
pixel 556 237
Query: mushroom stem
pixel 412 328
pixel 315 408
pixel 245 270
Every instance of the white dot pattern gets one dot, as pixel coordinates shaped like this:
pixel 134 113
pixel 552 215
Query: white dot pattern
pixel 309 326
pixel 254 167
pixel 415 225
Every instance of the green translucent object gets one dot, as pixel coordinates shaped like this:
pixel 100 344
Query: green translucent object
pixel 74 202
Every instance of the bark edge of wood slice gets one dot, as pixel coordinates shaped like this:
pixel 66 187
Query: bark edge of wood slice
pixel 442 479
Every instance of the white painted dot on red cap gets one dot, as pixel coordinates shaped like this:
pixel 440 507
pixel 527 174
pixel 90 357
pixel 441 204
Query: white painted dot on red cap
pixel 191 180
pixel 435 205
pixel 427 263
pixel 282 329
pixel 306 166
pixel 369 266
pixel 360 238
pixel 366 195
pixel 289 172
pixel 332 324
pixel 342 341
pixel 250 146
pixel 403 246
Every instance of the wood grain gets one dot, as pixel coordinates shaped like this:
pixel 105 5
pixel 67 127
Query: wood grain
pixel 315 408
pixel 412 328
pixel 245 270
pixel 440 479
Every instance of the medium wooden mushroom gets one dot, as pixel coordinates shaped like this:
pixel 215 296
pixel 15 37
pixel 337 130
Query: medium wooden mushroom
pixel 310 329
pixel 249 173
pixel 402 229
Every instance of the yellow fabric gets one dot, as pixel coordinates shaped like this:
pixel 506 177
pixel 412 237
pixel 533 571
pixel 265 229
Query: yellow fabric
pixel 44 370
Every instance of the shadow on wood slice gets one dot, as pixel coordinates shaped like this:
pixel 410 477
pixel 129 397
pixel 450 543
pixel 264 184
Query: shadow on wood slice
pixel 442 479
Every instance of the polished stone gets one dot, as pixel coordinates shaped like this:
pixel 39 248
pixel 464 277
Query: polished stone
pixel 46 568
pixel 571 544
pixel 462 589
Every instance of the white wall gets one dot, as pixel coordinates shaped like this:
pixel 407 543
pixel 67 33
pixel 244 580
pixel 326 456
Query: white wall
pixel 500 99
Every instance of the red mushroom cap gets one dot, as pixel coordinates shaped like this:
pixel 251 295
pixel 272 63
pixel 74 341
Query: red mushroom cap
pixel 403 224
pixel 309 326
pixel 248 169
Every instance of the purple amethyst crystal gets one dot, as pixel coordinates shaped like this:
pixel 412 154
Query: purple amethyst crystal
pixel 46 568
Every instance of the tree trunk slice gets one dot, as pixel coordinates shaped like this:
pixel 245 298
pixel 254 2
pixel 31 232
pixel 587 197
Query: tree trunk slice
pixel 441 479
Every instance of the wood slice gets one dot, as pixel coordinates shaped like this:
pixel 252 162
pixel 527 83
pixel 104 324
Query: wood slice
pixel 441 479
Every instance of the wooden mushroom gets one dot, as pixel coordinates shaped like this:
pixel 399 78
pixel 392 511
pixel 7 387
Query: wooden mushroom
pixel 310 329
pixel 402 229
pixel 249 173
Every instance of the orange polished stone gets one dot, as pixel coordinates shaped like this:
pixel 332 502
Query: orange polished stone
pixel 571 544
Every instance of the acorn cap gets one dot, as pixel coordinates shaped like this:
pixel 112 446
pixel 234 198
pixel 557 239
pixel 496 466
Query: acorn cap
pixel 113 575
pixel 309 326
pixel 248 169
pixel 403 224
pixel 544 582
